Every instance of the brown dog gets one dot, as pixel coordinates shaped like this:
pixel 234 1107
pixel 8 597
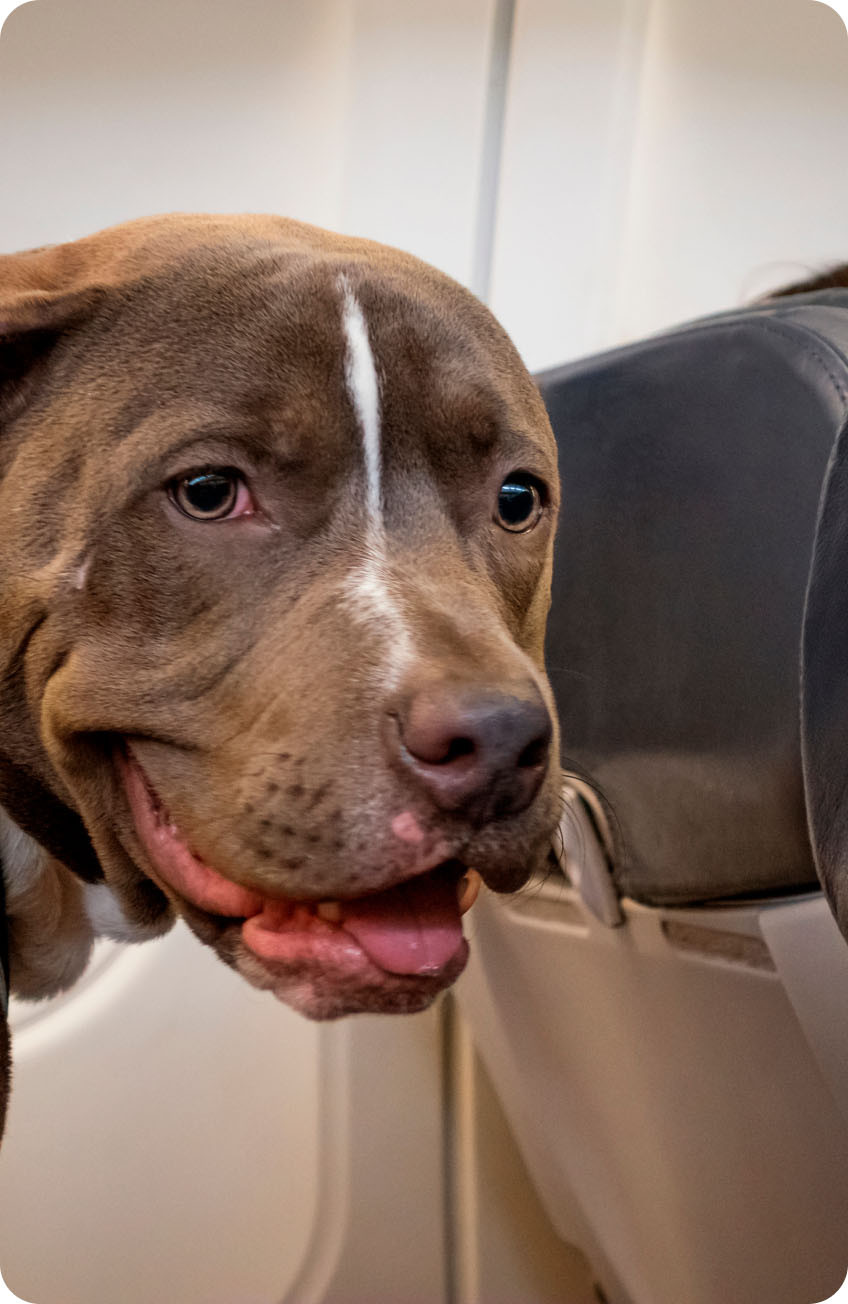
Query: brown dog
pixel 276 521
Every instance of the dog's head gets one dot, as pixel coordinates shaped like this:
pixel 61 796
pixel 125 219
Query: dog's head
pixel 276 521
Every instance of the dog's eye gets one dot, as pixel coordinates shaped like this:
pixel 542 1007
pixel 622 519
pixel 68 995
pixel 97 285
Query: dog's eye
pixel 519 503
pixel 214 494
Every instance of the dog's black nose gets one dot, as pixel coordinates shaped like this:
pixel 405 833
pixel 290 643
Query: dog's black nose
pixel 479 751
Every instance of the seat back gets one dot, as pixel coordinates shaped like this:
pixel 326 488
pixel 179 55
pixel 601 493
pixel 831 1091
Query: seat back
pixel 692 468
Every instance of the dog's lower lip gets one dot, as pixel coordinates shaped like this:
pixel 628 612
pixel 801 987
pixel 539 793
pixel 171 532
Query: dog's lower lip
pixel 412 929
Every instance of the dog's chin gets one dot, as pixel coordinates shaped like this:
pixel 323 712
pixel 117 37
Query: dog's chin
pixel 319 969
pixel 332 990
pixel 390 951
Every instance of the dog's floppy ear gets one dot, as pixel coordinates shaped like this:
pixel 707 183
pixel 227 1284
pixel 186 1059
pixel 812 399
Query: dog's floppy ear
pixel 45 289
pixel 43 293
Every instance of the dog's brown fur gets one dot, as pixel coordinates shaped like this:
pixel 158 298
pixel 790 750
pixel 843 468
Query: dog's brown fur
pixel 251 689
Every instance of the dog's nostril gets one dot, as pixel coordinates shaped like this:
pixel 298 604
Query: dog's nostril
pixel 535 753
pixel 457 748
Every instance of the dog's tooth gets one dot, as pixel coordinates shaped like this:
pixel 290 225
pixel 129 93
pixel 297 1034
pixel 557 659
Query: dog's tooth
pixel 467 889
pixel 331 911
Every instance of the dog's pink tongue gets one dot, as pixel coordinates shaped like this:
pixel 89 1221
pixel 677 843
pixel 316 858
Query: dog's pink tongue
pixel 412 928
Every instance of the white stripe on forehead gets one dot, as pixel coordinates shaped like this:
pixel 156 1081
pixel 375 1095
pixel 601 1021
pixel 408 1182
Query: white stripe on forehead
pixel 370 598
pixel 361 377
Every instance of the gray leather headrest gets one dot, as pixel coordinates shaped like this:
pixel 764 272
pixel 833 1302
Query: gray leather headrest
pixel 692 468
pixel 825 687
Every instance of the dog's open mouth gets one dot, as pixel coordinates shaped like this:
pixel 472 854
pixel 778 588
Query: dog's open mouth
pixel 411 931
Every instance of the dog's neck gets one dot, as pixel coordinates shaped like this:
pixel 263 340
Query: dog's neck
pixel 53 917
pixel 49 933
pixel 20 856
pixel 4 951
pixel 22 863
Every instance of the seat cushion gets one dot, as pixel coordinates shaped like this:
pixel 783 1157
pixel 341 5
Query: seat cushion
pixel 692 466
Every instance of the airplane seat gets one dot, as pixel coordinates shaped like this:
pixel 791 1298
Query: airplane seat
pixel 665 1014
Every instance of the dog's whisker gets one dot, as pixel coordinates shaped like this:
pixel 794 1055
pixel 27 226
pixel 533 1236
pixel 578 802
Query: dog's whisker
pixel 572 674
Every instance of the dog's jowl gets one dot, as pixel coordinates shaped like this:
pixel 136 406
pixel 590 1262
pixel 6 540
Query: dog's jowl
pixel 276 519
